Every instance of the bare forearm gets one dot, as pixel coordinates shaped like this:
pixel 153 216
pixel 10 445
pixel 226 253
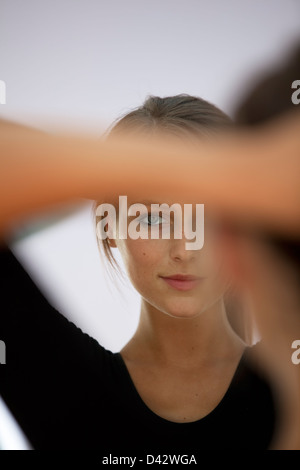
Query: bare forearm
pixel 249 176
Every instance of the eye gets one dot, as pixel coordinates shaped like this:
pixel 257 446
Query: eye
pixel 151 219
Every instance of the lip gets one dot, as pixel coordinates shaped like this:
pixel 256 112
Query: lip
pixel 182 282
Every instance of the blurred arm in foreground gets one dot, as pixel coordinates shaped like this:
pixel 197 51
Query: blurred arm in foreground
pixel 250 176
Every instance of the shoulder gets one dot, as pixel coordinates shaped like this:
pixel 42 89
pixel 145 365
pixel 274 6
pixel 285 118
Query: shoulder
pixel 32 329
pixel 251 364
pixel 253 383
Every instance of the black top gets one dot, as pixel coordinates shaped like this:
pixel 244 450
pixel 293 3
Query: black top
pixel 68 392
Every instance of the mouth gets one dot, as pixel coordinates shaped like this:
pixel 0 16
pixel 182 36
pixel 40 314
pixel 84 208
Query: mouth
pixel 182 282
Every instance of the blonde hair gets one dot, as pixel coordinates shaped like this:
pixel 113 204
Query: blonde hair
pixel 182 115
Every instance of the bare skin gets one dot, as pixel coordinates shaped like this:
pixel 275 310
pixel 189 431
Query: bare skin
pixel 38 172
pixel 182 368
pixel 184 353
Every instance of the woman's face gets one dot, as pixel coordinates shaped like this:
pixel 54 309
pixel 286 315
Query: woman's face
pixel 150 262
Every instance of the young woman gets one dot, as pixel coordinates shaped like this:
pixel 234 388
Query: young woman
pixel 183 381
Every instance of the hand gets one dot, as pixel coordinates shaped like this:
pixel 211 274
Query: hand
pixel 273 285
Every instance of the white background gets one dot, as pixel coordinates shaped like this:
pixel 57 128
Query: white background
pixel 78 64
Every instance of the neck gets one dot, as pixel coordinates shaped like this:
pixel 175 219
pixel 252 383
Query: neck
pixel 184 341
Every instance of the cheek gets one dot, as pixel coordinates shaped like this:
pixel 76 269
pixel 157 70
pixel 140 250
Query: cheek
pixel 211 265
pixel 210 261
pixel 213 257
pixel 141 258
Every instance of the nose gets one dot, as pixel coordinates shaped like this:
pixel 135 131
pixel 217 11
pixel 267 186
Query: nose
pixel 186 240
pixel 179 252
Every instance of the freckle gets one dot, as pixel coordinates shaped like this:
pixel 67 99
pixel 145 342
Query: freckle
pixel 144 254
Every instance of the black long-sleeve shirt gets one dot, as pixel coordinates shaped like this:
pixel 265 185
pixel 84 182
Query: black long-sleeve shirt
pixel 69 392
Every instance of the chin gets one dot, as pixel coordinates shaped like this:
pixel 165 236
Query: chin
pixel 183 312
pixel 179 308
pixel 183 315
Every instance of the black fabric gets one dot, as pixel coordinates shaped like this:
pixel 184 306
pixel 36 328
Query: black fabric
pixel 68 392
